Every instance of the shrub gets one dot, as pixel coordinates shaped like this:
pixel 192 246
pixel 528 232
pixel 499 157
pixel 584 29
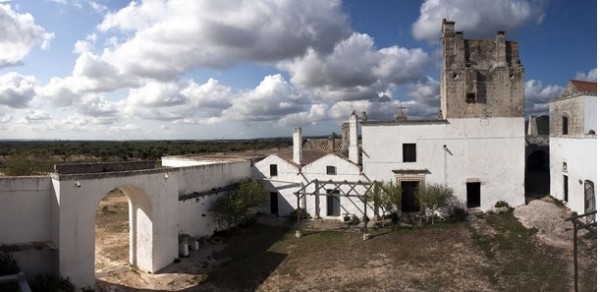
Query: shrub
pixel 52 283
pixel 435 199
pixel 8 266
pixel 459 213
pixel 386 196
pixel 303 214
pixel 231 208
pixel 354 221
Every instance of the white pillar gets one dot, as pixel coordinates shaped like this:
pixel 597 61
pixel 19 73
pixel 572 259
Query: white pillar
pixel 297 141
pixel 353 151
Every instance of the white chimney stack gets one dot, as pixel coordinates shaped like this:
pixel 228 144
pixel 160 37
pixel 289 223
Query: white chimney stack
pixel 353 152
pixel 297 140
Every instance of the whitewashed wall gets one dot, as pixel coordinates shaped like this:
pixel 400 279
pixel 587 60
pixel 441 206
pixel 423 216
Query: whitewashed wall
pixel 591 112
pixel 194 217
pixel 580 156
pixel 25 213
pixel 291 178
pixel 488 150
pixel 152 216
pixel 25 217
pixel 287 181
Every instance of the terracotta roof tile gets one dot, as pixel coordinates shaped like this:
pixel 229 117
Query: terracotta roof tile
pixel 582 87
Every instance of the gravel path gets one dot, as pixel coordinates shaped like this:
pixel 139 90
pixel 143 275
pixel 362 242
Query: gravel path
pixel 549 219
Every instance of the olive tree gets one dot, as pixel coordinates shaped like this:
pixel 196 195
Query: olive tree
pixel 435 198
pixel 231 208
pixel 386 196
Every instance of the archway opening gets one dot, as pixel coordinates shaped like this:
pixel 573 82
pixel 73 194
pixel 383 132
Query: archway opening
pixel 112 244
pixel 537 175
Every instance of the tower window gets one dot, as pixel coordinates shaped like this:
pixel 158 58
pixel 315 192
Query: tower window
pixel 471 98
pixel 565 125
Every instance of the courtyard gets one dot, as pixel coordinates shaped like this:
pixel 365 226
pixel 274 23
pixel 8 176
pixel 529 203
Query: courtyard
pixel 529 249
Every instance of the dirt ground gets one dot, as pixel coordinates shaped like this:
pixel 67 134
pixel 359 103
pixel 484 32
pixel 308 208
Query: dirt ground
pixel 491 252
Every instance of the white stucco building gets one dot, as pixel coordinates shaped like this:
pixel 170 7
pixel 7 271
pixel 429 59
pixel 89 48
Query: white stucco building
pixel 573 146
pixel 476 147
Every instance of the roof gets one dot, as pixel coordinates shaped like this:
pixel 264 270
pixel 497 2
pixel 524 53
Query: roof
pixel 583 86
pixel 308 155
pixel 403 122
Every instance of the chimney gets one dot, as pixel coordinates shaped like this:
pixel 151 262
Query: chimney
pixel 297 140
pixel 353 152
pixel 532 129
pixel 331 143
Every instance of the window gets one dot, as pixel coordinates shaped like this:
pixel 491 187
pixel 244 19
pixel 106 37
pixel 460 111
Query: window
pixel 471 98
pixel 331 170
pixel 409 152
pixel 273 169
pixel 565 125
pixel 566 188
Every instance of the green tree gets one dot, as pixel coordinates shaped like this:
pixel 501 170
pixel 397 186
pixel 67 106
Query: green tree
pixel 386 196
pixel 231 208
pixel 434 198
pixel 18 165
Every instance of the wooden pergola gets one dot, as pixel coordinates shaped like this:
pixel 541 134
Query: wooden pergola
pixel 358 189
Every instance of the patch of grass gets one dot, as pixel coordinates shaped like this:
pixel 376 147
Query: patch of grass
pixel 518 258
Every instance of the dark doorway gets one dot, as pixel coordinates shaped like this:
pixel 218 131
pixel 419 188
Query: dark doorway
pixel 566 188
pixel 537 175
pixel 590 200
pixel 473 195
pixel 410 196
pixel 275 203
pixel 333 203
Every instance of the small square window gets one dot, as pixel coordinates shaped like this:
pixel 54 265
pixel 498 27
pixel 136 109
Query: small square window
pixel 273 169
pixel 409 152
pixel 471 98
pixel 331 170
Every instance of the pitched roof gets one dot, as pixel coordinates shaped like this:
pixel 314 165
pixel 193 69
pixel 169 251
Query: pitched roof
pixel 578 87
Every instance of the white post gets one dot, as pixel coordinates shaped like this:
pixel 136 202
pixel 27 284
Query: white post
pixel 297 140
pixel 353 151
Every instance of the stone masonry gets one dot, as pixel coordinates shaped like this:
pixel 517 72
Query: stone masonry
pixel 480 78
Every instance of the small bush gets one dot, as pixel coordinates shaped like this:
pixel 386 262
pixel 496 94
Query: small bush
pixel 435 200
pixel 501 204
pixel 355 221
pixel 52 283
pixel 8 264
pixel 247 221
pixel 303 214
pixel 459 213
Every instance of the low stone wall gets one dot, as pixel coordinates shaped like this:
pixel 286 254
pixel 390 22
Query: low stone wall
pixel 98 167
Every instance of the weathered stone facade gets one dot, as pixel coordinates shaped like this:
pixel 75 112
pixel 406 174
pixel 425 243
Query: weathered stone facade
pixel 571 108
pixel 480 78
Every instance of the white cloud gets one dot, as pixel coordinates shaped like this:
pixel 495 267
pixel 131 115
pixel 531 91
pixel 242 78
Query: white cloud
pixel 171 37
pixel 16 90
pixel 537 96
pixel 19 34
pixel 356 69
pixel 590 76
pixel 34 116
pixel 316 113
pixel 271 99
pixel 426 92
pixel 475 17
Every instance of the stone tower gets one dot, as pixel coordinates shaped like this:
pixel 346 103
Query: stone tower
pixel 479 78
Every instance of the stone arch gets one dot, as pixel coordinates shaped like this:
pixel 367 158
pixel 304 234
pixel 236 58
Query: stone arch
pixel 538 159
pixel 140 226
pixel 152 209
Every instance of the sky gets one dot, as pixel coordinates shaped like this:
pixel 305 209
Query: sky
pixel 213 69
